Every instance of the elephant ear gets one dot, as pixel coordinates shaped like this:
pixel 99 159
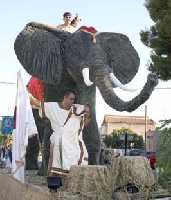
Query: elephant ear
pixel 122 58
pixel 38 48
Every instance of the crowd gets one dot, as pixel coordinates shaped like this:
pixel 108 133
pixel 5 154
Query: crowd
pixel 6 156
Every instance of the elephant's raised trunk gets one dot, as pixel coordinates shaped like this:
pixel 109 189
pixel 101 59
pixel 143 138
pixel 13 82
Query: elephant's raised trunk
pixel 103 82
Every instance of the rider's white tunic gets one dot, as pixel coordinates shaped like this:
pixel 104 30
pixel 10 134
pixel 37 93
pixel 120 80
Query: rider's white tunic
pixel 65 138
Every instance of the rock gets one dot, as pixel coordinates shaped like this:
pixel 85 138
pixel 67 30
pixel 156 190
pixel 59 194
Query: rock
pixel 31 177
pixel 92 182
pixel 107 154
pixel 61 195
pixel 132 170
pixel 11 189
pixel 120 195
pixel 127 196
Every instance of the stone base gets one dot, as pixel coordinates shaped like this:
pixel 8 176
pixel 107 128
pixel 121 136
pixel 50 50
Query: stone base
pixel 86 183
pixel 11 189
pixel 89 181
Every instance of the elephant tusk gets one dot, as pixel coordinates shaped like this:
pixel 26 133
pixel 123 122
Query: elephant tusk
pixel 119 84
pixel 85 73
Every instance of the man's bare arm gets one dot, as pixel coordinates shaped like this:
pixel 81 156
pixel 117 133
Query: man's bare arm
pixel 33 101
pixel 40 25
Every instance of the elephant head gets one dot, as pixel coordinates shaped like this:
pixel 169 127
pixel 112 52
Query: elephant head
pixel 111 61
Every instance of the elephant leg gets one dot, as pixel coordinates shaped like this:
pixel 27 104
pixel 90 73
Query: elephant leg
pixel 39 125
pixel 32 153
pixel 91 135
pixel 33 143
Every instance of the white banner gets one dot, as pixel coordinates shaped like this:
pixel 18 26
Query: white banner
pixel 24 127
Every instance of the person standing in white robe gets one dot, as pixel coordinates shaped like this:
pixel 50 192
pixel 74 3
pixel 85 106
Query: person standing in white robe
pixel 67 120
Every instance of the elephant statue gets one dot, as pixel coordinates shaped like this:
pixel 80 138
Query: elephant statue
pixel 66 60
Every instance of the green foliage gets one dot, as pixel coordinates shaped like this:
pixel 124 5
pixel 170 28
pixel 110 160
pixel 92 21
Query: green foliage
pixel 1 139
pixel 116 139
pixel 164 152
pixel 144 37
pixel 157 9
pixel 158 37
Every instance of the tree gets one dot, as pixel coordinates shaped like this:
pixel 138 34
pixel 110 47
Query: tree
pixel 115 139
pixel 158 37
pixel 164 152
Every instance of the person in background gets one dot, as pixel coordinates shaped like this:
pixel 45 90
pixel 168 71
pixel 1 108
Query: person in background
pixel 152 160
pixel 8 159
pixel 3 152
pixel 10 152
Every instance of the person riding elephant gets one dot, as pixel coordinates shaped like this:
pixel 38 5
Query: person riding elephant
pixel 82 61
pixel 69 24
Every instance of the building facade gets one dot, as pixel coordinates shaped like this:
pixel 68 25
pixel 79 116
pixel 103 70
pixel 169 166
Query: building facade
pixel 138 124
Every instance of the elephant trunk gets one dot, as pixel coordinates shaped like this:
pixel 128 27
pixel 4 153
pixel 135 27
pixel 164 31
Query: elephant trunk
pixel 103 82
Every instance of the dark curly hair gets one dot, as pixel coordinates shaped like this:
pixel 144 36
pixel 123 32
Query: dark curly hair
pixel 67 14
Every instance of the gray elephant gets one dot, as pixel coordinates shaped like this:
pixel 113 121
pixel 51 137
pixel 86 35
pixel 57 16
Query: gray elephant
pixel 73 61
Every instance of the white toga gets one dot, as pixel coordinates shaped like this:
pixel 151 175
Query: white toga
pixel 65 138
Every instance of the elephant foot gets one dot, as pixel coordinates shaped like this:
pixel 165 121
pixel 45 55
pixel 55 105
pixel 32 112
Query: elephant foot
pixel 40 172
pixel 43 170
pixel 32 166
pixel 93 158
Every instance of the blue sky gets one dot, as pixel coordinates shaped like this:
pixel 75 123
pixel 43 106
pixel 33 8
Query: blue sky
pixel 128 17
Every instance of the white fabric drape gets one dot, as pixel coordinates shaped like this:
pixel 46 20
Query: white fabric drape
pixel 25 127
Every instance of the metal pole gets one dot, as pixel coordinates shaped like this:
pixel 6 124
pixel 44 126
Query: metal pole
pixel 126 142
pixel 145 131
pixel 149 146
